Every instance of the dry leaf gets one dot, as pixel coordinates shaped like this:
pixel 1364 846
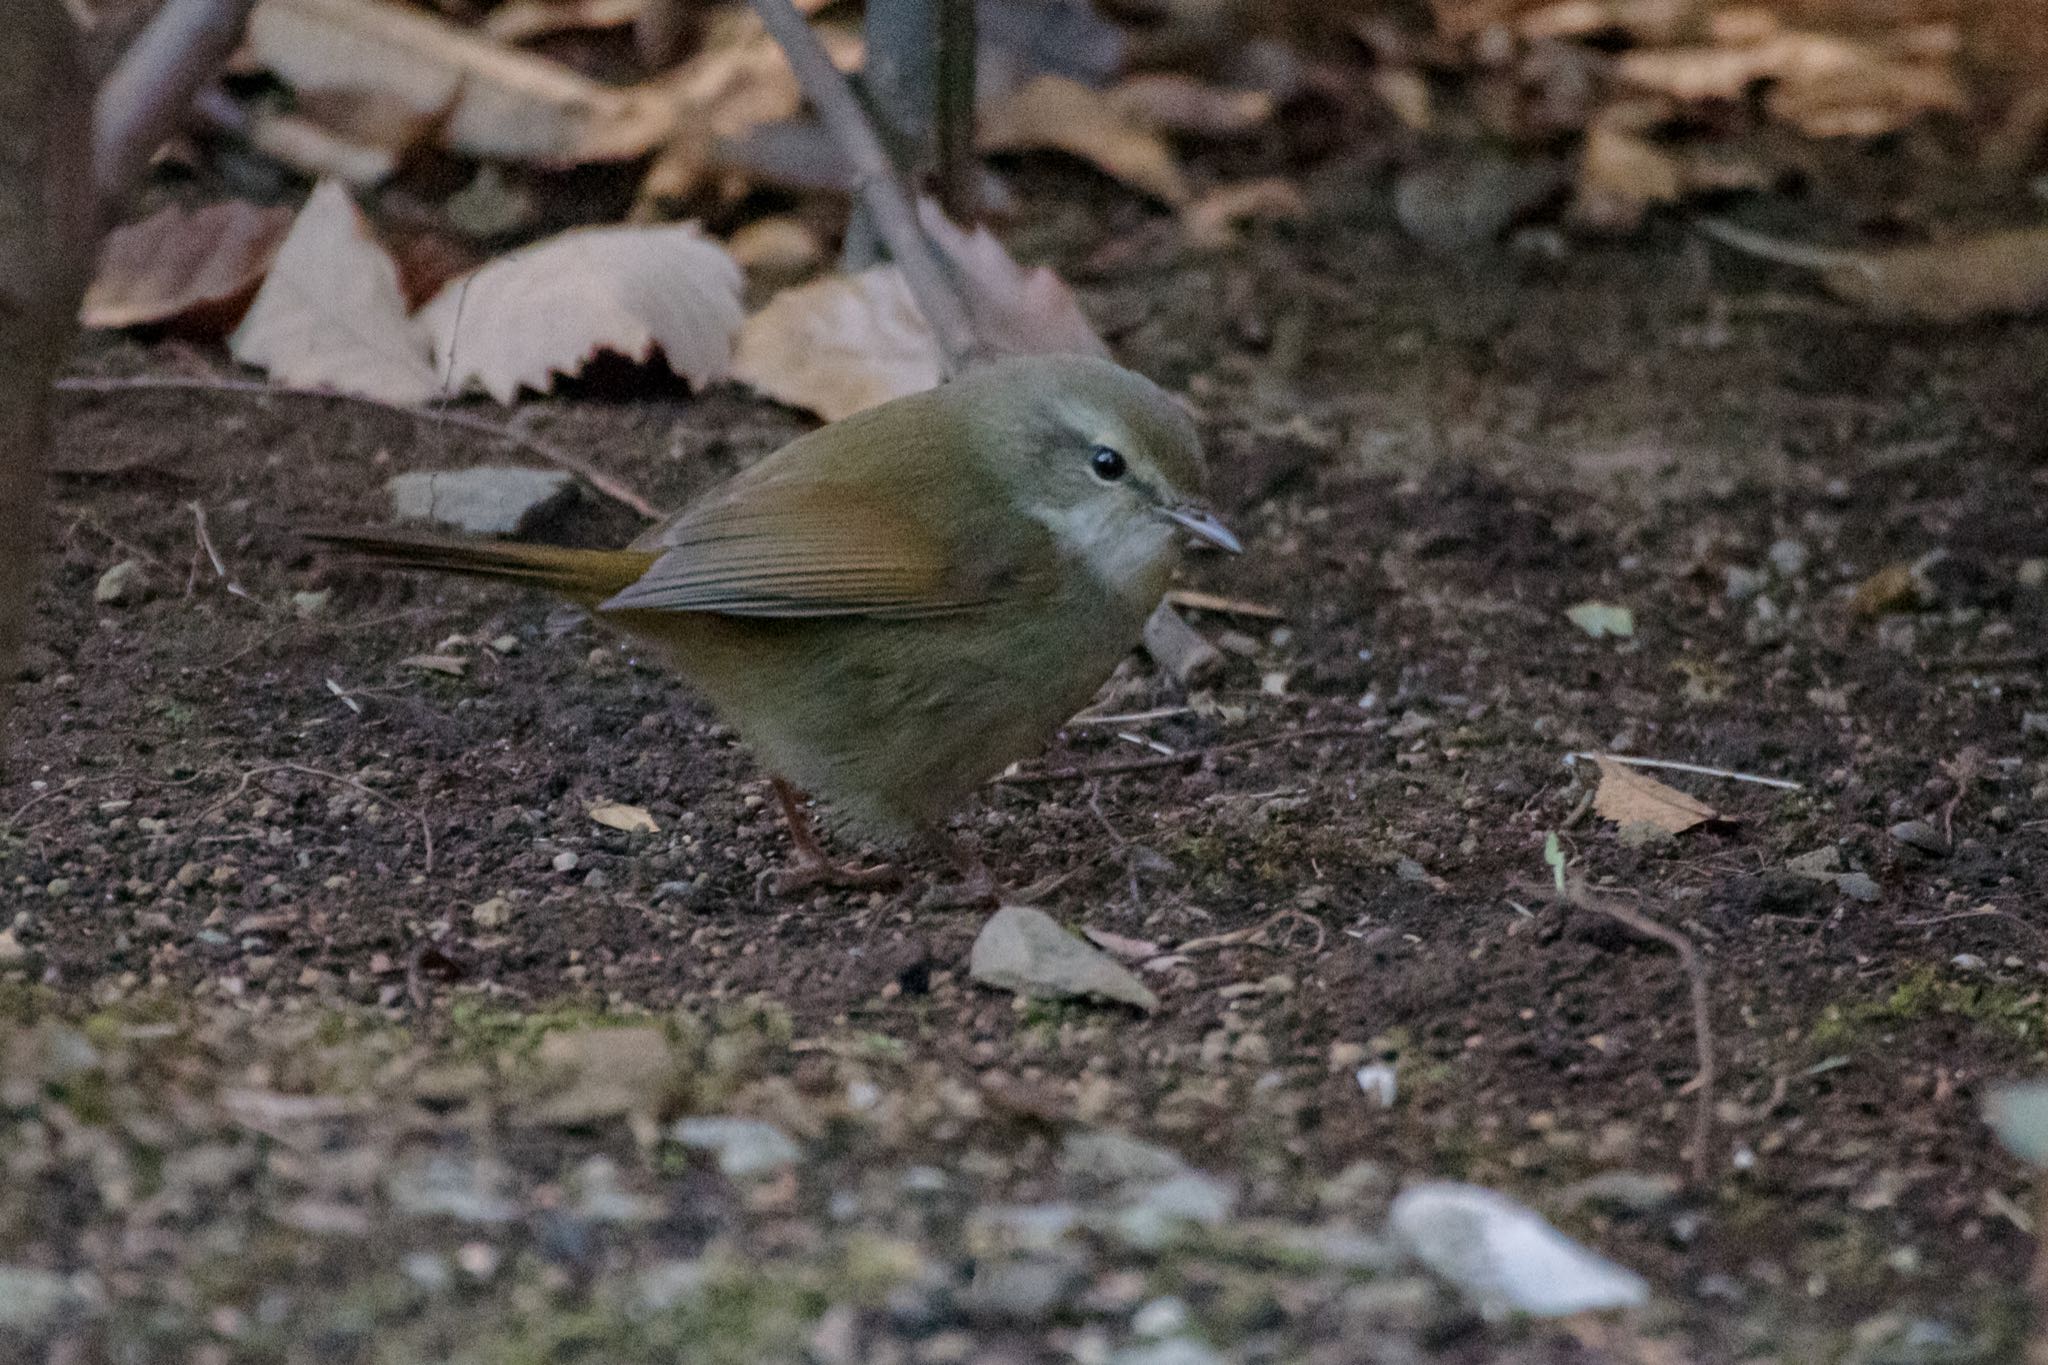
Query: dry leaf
pixel 776 246
pixel 1181 104
pixel 331 314
pixel 1054 113
pixel 1120 945
pixel 1826 86
pixel 1971 277
pixel 549 308
pixel 454 665
pixel 1212 220
pixel 361 137
pixel 497 102
pixel 1627 797
pixel 197 270
pixel 843 343
pixel 619 815
pixel 522 21
pixel 1620 176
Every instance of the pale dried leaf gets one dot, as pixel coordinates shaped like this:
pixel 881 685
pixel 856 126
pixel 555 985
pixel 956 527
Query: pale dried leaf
pixel 1057 114
pixel 497 102
pixel 1627 797
pixel 842 343
pixel 739 78
pixel 1121 945
pixel 550 308
pixel 1954 281
pixel 619 815
pixel 522 21
pixel 1213 219
pixel 1826 86
pixel 197 269
pixel 1601 619
pixel 1181 104
pixel 361 137
pixel 453 665
pixel 331 314
pixel 1620 177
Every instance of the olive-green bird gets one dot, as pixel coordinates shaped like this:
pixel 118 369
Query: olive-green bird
pixel 892 609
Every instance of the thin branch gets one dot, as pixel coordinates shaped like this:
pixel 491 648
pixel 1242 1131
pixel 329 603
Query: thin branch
pixel 1082 772
pixel 426 829
pixel 1704 1081
pixel 1672 765
pixel 144 100
pixel 880 188
pixel 607 484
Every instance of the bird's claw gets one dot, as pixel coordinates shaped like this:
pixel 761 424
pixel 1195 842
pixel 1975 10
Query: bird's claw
pixel 809 876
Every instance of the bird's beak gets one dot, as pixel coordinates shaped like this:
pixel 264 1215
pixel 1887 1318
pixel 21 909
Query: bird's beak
pixel 1199 522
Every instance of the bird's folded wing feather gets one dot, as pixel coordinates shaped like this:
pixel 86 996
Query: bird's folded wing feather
pixel 811 549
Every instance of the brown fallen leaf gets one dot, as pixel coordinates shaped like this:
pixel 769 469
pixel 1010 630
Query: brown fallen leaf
pixel 363 137
pixel 1181 104
pixel 1212 220
pixel 842 343
pixel 1955 281
pixel 522 21
pixel 1052 113
pixel 194 270
pixel 499 103
pixel 548 309
pixel 331 314
pixel 1627 797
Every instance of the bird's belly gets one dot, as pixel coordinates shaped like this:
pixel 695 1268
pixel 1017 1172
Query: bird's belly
pixel 895 722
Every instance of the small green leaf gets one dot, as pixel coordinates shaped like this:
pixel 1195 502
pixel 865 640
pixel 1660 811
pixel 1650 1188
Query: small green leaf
pixel 1553 857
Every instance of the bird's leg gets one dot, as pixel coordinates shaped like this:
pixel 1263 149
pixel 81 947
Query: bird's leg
pixel 814 867
pixel 972 885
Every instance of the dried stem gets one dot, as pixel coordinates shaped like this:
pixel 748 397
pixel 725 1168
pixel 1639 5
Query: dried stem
pixel 1704 1082
pixel 143 101
pixel 880 187
pixel 1082 772
pixel 609 485
pixel 953 118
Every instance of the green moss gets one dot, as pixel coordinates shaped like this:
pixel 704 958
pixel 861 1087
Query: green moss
pixel 1927 993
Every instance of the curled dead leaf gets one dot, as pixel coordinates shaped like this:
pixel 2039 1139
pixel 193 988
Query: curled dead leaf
pixel 518 321
pixel 1052 113
pixel 195 270
pixel 1181 104
pixel 1970 277
pixel 618 815
pixel 1627 797
pixel 1213 219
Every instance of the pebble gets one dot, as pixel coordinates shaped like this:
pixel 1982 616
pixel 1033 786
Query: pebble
pixel 1162 1212
pixel 1789 557
pixel 1021 1290
pixel 744 1147
pixel 490 500
pixel 31 1299
pixel 121 584
pixel 565 862
pixel 1025 951
pixel 443 1185
pixel 1116 1158
pixel 1858 886
pixel 2034 725
pixel 1821 865
pixel 1921 835
pixel 1172 1351
pixel 1503 1257
pixel 11 952
pixel 1162 1317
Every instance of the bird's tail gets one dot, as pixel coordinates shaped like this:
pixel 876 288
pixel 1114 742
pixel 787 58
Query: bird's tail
pixel 587 576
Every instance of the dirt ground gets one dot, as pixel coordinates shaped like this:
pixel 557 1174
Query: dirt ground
pixel 311 912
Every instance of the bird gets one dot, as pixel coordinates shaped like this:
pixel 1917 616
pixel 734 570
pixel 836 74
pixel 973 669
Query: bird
pixel 891 609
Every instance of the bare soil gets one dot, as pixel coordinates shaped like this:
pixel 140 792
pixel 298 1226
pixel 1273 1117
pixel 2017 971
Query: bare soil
pixel 263 813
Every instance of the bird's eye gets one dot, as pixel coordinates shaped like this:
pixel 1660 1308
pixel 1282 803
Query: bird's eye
pixel 1107 464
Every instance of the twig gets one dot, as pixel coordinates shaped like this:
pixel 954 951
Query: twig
pixel 1983 912
pixel 1254 933
pixel 1081 772
pixel 607 484
pixel 426 829
pixel 1578 895
pixel 142 102
pixel 1196 600
pixel 880 189
pixel 1671 765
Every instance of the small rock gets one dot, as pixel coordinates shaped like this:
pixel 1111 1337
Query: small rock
pixel 1858 886
pixel 1967 962
pixel 1742 584
pixel 1022 1290
pixel 1161 1213
pixel 1172 1351
pixel 2034 725
pixel 2033 574
pixel 1637 1192
pixel 1789 557
pixel 57 888
pixel 491 500
pixel 12 954
pixel 33 1299
pixel 1821 865
pixel 1468 200
pixel 1021 1227
pixel 603 1073
pixel 1114 1158
pixel 664 1285
pixel 444 1185
pixel 1921 835
pixel 1162 1317
pixel 121 584
pixel 744 1147
pixel 1379 1084
pixel 492 913
pixel 1024 951
pixel 564 862
pixel 1504 1257
pixel 311 602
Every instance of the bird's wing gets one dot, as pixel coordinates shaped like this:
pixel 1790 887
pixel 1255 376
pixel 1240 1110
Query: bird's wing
pixel 811 548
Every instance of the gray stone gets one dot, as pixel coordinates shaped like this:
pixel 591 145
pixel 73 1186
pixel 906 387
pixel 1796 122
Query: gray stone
pixel 1021 1227
pixel 1742 584
pixel 744 1147
pixel 1024 951
pixel 1789 557
pixel 2034 724
pixel 1821 865
pixel 1117 1158
pixel 1162 1317
pixel 1625 1191
pixel 665 1284
pixel 1921 835
pixel 1021 1289
pixel 491 500
pixel 1162 1212
pixel 1466 201
pixel 1504 1258
pixel 1172 1351
pixel 1858 886
pixel 444 1185
pixel 32 1299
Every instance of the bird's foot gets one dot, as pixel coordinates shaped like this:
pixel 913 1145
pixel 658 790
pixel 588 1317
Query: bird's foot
pixel 811 874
